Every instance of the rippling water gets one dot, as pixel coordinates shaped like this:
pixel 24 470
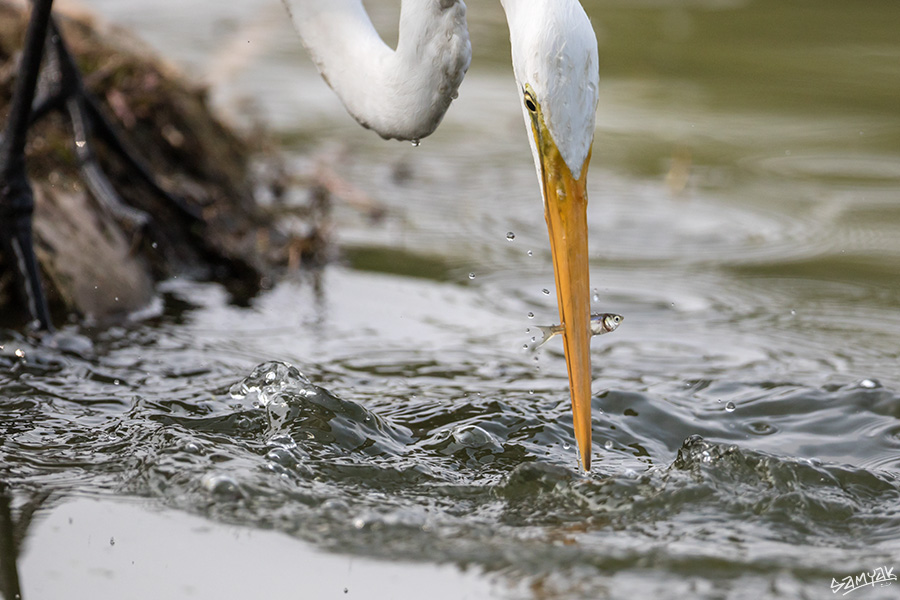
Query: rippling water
pixel 745 220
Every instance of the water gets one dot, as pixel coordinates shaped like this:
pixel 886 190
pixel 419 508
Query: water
pixel 744 219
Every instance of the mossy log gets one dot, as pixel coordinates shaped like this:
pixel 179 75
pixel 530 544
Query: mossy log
pixel 92 265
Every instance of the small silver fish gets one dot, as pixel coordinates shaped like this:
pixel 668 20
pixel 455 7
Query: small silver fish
pixel 600 323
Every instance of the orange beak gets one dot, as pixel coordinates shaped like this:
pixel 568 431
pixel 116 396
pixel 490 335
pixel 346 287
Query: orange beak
pixel 565 208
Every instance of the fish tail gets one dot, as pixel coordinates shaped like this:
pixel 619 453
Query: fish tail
pixel 547 331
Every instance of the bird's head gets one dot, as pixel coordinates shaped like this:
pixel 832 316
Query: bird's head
pixel 554 56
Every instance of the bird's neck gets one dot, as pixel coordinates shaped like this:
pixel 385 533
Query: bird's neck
pixel 399 94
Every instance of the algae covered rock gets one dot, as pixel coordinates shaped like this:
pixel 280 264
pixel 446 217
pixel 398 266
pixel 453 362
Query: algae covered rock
pixel 94 264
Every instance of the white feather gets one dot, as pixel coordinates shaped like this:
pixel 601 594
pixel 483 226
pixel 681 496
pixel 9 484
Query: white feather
pixel 400 94
pixel 554 50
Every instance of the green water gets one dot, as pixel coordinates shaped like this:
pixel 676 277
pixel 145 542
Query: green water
pixel 745 218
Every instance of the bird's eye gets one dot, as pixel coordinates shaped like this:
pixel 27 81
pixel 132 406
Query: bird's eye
pixel 529 102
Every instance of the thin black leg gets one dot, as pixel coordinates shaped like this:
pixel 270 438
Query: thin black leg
pixel 16 196
pixel 68 94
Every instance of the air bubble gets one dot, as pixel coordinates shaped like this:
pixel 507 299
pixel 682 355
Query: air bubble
pixel 566 445
pixel 471 275
pixel 730 407
pixel 510 236
pixel 530 253
pixel 546 291
pixel 415 143
pixel 530 315
pixel 608 444
pixel 222 486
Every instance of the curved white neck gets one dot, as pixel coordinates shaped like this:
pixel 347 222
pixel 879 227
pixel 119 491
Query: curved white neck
pixel 400 94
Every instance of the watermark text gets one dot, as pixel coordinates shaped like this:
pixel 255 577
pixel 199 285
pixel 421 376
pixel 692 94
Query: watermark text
pixel 882 576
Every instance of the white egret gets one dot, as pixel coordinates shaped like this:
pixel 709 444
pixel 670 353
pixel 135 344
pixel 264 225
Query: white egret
pixel 404 94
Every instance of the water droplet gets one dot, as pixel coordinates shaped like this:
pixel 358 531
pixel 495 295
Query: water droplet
pixel 471 275
pixel 546 291
pixel 80 143
pixel 868 384
pixel 596 296
pixel 154 245
pixel 793 312
pixel 20 353
pixel 416 143
pixel 730 407
pixel 530 253
pixel 524 346
pixel 359 522
pixel 530 315
pixel 510 236
pixel 112 541
pixel 608 444
pixel 566 445
pixel 115 382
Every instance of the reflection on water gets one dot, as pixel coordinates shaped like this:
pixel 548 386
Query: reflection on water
pixel 746 439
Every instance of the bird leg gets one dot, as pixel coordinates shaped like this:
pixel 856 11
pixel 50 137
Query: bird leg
pixel 63 90
pixel 16 196
pixel 68 93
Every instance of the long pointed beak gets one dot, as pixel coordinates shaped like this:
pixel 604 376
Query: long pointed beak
pixel 565 208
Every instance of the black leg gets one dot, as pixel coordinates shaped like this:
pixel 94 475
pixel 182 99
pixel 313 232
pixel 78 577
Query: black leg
pixel 16 196
pixel 68 93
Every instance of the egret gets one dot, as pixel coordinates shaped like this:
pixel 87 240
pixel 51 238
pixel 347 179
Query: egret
pixel 403 93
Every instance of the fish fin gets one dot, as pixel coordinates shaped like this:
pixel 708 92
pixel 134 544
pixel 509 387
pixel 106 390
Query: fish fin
pixel 547 331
